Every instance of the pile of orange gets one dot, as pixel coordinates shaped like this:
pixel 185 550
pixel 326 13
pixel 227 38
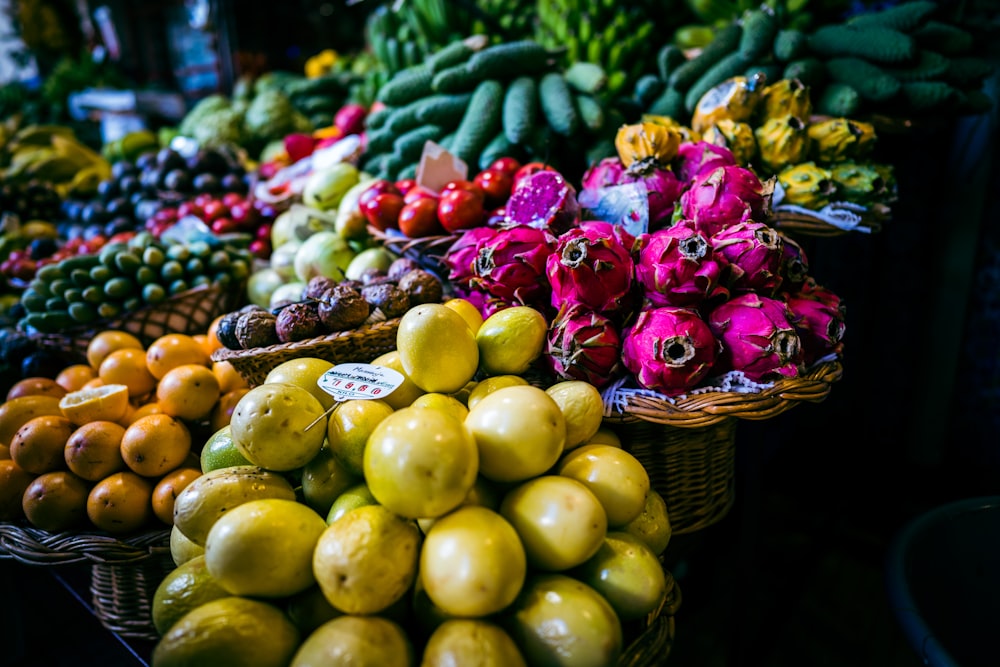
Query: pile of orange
pixel 108 444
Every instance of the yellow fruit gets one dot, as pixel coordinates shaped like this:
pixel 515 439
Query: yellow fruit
pixel 351 498
pixel 212 342
pixel 167 489
pixel 221 452
pixel 74 377
pixel 37 386
pixel 93 384
pixel 605 436
pixel 652 526
pixel 189 391
pixel 182 549
pixel 145 410
pixel 13 482
pixel 120 503
pixel 229 378
pixel 37 446
pixel 93 451
pixel 172 350
pixel 469 312
pixel 404 394
pixel 323 479
pixel 108 402
pixel 106 342
pixel 510 339
pixel 16 412
pixel 437 348
pixel 359 641
pixel 442 402
pixel 128 367
pixel 229 631
pixel 628 574
pixel 56 501
pixel 155 445
pixel 583 408
pixel 616 477
pixel 303 372
pixel 309 610
pixel 186 588
pixel 222 413
pixel 466 641
pixel 489 385
pixel 269 426
pixel 264 548
pixel 349 427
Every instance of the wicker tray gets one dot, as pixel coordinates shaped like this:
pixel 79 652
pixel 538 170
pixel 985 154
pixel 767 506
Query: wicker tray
pixel 802 224
pixel 689 447
pixel 124 571
pixel 361 344
pixel 656 635
pixel 190 313
pixel 427 251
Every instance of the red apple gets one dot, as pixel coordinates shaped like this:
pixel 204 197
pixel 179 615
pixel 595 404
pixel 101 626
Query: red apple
pixel 507 164
pixel 224 225
pixel 213 210
pixel 460 209
pixel 382 210
pixel 419 218
pixel 471 186
pixel 376 188
pixel 231 199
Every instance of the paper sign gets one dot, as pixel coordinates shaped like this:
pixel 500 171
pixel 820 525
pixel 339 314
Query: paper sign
pixel 346 382
pixel 438 167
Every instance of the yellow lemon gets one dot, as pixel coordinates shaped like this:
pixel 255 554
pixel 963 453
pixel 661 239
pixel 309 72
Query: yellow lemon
pixel 437 348
pixel 510 339
pixel 583 408
pixel 469 313
pixel 486 387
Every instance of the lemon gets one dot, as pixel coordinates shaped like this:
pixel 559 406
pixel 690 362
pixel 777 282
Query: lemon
pixel 617 478
pixel 366 560
pixel 269 426
pixel 182 549
pixel 583 408
pixel 437 348
pixel 304 372
pixel 442 402
pixel 354 497
pixel 469 312
pixel 510 339
pixel 486 387
pixel 405 393
pixel 605 436
pixel 221 452
pixel 229 631
pixel 264 548
pixel 348 429
pixel 105 403
pixel 358 641
pixel 187 587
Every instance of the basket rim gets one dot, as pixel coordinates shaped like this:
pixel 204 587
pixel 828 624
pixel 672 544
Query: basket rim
pixel 711 407
pixel 225 354
pixel 34 546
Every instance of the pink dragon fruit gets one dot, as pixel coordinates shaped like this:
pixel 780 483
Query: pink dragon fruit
pixel 723 197
pixel 583 345
pixel 678 267
pixel 757 337
pixel 543 200
pixel 663 188
pixel 669 349
pixel 794 267
pixel 510 265
pixel 754 253
pixel 694 157
pixel 818 317
pixel 460 258
pixel 592 266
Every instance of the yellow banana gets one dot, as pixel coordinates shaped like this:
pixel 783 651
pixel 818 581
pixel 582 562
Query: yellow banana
pixel 71 148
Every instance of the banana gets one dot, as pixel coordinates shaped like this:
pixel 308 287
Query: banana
pixel 73 150
pixel 55 169
pixel 85 182
pixel 38 135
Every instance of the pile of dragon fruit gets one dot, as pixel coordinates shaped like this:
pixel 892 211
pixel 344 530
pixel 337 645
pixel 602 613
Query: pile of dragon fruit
pixel 706 290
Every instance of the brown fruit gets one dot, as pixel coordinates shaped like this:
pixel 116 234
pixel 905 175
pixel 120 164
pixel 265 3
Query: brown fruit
pixel 4 452
pixel 16 412
pixel 56 501
pixel 36 387
pixel 166 490
pixel 93 451
pixel 120 503
pixel 37 446
pixel 13 482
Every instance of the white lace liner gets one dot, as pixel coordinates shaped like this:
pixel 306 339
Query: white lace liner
pixel 616 394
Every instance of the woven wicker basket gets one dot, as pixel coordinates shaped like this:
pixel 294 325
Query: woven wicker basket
pixel 656 633
pixel 427 251
pixel 801 224
pixel 361 344
pixel 124 571
pixel 190 313
pixel 688 447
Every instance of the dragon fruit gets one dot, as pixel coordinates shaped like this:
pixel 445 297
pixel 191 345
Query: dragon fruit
pixel 858 182
pixel 757 337
pixel 695 157
pixel 543 200
pixel 724 197
pixel 818 317
pixel 460 258
pixel 510 265
pixel 678 267
pixel 794 264
pixel 806 184
pixel 782 140
pixel 754 253
pixel 735 136
pixel 663 188
pixel 592 266
pixel 669 349
pixel 583 345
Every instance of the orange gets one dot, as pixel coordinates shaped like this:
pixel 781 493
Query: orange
pixel 120 503
pixel 16 412
pixel 166 490
pixel 36 387
pixel 222 413
pixel 188 392
pixel 106 342
pixel 144 410
pixel 74 377
pixel 107 402
pixel 56 501
pixel 155 445
pixel 37 446
pixel 4 452
pixel 212 342
pixel 13 482
pixel 93 451
pixel 229 378
pixel 128 367
pixel 173 350
pixel 96 382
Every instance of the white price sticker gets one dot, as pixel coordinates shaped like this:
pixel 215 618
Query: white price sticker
pixel 346 382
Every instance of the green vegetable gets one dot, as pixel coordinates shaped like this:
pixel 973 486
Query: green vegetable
pixel 945 38
pixel 454 79
pixel 838 100
pixel 444 110
pixel 759 28
pixel 871 82
pixel 968 71
pixel 923 96
pixel 557 104
pixel 789 45
pixel 507 60
pixel 410 145
pixel 497 148
pixel 270 115
pixel 905 16
pixel 590 110
pixel 929 65
pixel 726 41
pixel 377 119
pixel 587 78
pixel 877 44
pixel 520 109
pixel 669 103
pixel 809 71
pixel 481 122
pixel 407 85
pixel 729 66
pixel 667 59
pixel 648 88
pixel 453 54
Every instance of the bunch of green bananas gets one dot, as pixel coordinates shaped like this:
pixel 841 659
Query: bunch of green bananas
pixel 52 154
